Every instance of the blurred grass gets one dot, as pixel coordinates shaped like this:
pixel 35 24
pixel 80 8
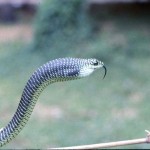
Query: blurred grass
pixel 90 110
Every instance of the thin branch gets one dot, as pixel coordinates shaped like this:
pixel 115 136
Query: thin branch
pixel 111 144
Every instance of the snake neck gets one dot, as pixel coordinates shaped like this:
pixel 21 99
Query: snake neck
pixel 53 71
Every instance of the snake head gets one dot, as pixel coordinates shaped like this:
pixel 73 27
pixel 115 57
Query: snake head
pixel 90 66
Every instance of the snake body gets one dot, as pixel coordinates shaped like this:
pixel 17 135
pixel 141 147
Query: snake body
pixel 57 70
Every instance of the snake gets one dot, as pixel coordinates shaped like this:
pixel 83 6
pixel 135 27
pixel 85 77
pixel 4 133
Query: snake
pixel 57 70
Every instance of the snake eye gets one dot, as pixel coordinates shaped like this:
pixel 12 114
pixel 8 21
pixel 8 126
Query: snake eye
pixel 95 63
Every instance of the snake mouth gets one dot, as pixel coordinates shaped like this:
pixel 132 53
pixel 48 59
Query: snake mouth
pixel 105 71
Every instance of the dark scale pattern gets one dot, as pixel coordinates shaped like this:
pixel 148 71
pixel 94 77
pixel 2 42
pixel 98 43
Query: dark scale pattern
pixel 53 71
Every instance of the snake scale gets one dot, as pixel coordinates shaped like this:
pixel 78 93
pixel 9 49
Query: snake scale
pixel 62 69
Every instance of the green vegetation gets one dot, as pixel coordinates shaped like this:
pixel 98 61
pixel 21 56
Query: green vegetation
pixel 90 110
pixel 61 25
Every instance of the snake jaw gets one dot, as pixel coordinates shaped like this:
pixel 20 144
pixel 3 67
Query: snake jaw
pixel 85 71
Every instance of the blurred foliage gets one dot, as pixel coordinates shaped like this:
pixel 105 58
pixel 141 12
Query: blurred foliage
pixel 61 25
pixel 83 111
pixel 65 28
